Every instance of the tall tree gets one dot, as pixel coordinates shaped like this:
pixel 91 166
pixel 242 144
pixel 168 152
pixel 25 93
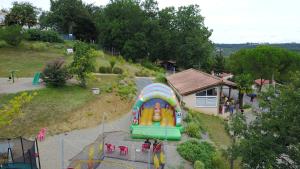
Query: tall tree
pixel 73 16
pixel 193 38
pixel 237 127
pixel 121 20
pixel 22 13
pixel 83 62
pixel 219 62
pixel 244 84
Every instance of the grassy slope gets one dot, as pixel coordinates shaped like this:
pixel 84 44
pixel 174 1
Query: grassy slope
pixel 64 109
pixel 215 127
pixel 26 60
pixel 217 133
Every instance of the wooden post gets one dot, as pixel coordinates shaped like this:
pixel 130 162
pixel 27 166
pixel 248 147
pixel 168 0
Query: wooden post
pixel 220 98
pixel 229 96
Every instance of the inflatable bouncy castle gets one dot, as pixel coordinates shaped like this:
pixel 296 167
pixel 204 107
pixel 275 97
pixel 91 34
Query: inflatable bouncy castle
pixel 157 114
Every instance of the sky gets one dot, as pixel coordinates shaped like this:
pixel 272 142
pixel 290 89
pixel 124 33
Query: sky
pixel 232 21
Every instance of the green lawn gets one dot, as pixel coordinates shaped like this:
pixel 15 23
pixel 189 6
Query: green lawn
pixel 57 107
pixel 214 126
pixel 27 61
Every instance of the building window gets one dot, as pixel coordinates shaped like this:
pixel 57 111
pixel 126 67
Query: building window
pixel 206 98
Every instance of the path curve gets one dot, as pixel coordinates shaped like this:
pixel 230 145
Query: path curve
pixel 21 84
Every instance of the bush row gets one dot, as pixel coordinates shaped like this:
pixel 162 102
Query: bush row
pixel 107 69
pixel 193 127
pixel 43 35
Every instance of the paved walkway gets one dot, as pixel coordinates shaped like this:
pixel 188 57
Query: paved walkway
pixel 246 99
pixel 21 84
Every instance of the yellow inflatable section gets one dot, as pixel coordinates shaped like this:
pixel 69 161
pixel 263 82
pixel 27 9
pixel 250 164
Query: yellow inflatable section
pixel 167 118
pixel 146 117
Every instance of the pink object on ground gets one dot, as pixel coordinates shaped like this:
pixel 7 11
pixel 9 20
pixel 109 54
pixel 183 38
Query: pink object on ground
pixel 110 147
pixel 42 134
pixel 145 147
pixel 123 150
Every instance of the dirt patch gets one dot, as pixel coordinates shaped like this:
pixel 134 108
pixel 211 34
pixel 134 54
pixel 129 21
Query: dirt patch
pixel 91 114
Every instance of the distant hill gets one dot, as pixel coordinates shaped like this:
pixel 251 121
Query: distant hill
pixel 231 48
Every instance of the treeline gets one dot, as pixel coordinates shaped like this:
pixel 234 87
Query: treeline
pixel 137 30
pixel 228 49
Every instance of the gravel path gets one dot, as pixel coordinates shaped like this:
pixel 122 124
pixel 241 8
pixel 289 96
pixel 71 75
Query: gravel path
pixel 74 142
pixel 21 84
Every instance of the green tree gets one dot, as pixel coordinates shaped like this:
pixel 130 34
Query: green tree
pixel 264 62
pixel 236 127
pixel 83 62
pixel 219 62
pixel 72 16
pixel 275 134
pixel 22 13
pixel 244 84
pixel 193 38
pixel 121 21
pixel 44 20
pixel 12 35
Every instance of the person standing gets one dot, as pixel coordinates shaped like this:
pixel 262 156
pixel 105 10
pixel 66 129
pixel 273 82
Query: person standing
pixel 162 160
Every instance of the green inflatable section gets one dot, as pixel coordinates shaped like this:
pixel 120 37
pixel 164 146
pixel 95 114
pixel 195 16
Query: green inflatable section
pixel 156 132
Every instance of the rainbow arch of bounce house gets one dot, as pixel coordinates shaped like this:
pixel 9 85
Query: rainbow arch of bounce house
pixel 170 127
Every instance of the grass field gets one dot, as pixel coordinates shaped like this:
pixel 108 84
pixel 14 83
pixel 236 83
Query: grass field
pixel 27 60
pixel 31 57
pixel 66 109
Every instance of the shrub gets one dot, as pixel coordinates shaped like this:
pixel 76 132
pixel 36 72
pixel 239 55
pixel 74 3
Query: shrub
pixel 55 73
pixel 12 35
pixel 13 109
pixel 107 88
pixel 43 35
pixel 194 150
pixel 193 130
pixel 150 65
pixel 112 63
pixel 143 73
pixel 38 46
pixel 247 106
pixel 218 162
pixel 3 44
pixel 126 88
pixel 199 165
pixel 188 118
pixel 104 69
pixel 161 78
pixel 117 70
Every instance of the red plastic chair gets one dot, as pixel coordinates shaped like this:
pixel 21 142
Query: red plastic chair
pixel 157 148
pixel 110 147
pixel 123 150
pixel 145 147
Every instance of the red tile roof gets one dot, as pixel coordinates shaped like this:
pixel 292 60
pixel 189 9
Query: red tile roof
pixel 264 81
pixel 191 80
